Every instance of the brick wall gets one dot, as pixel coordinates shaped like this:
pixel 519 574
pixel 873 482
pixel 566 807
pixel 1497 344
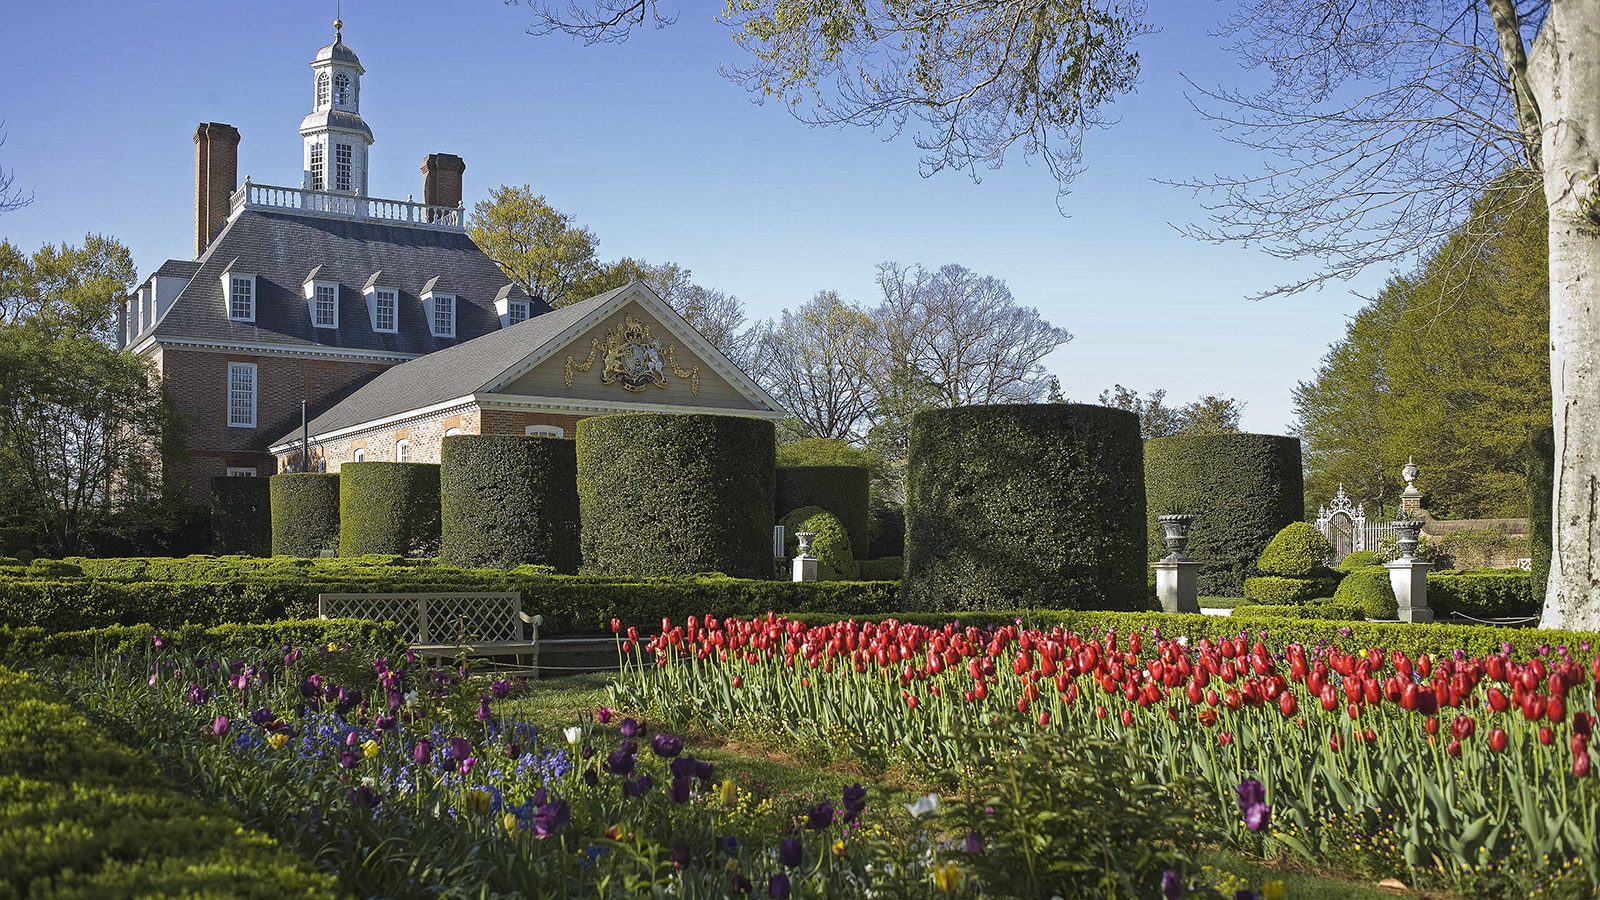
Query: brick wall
pixel 198 385
pixel 424 436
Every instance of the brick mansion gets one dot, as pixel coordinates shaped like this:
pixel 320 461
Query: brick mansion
pixel 382 319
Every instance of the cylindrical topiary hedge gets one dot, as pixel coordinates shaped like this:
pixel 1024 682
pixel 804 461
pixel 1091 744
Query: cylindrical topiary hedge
pixel 389 508
pixel 668 494
pixel 841 490
pixel 241 516
pixel 1011 507
pixel 1541 498
pixel 305 513
pixel 1241 489
pixel 509 500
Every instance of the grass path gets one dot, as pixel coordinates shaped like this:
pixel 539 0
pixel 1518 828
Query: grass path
pixel 773 769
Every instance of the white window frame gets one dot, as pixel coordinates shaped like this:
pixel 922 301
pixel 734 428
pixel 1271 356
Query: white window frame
pixel 241 471
pixel 324 93
pixel 545 430
pixel 374 303
pixel 228 281
pixel 312 287
pixel 360 455
pixel 518 311
pixel 319 166
pixel 402 450
pixel 255 391
pixel 341 99
pixel 344 169
pixel 435 302
pixel 452 431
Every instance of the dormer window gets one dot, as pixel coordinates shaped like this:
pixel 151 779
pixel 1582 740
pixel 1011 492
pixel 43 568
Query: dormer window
pixel 239 295
pixel 322 300
pixel 512 305
pixel 517 311
pixel 440 308
pixel 383 305
pixel 322 90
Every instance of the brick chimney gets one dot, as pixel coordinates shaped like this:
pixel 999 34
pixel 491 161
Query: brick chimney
pixel 216 174
pixel 441 179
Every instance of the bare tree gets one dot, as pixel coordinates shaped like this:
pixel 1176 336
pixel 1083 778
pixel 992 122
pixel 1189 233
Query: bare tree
pixel 981 76
pixel 817 361
pixel 964 334
pixel 1382 121
pixel 11 198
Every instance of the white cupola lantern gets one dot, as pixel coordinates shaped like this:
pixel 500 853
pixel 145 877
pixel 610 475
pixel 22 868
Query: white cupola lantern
pixel 337 139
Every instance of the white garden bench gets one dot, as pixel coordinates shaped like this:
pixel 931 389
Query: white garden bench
pixel 447 624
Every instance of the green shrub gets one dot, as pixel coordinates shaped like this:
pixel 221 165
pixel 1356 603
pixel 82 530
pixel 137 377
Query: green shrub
pixel 1037 505
pixel 884 568
pixel 1278 590
pixel 665 494
pixel 1368 588
pixel 888 532
pixel 1326 610
pixel 1360 558
pixel 1241 489
pixel 84 816
pixel 841 490
pixel 305 513
pixel 1541 495
pixel 830 544
pixel 1497 593
pixel 1296 551
pixel 373 638
pixel 508 500
pixel 1477 547
pixel 241 515
pixel 388 507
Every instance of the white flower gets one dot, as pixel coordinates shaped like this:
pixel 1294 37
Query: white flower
pixel 927 803
pixel 412 698
pixel 574 734
pixel 1183 640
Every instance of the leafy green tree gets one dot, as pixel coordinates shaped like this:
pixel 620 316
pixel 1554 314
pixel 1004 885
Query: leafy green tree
pixel 1448 365
pixel 82 426
pixel 717 315
pixel 1211 414
pixel 539 247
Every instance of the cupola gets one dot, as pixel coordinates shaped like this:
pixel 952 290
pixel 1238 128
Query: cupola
pixel 336 137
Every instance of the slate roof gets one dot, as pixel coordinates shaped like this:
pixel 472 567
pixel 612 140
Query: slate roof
pixel 280 248
pixel 457 372
pixel 177 268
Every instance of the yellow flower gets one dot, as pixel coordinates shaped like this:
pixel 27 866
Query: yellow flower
pixel 369 749
pixel 947 876
pixel 730 792
pixel 277 741
pixel 838 848
pixel 479 799
pixel 510 823
pixel 332 647
pixel 1272 890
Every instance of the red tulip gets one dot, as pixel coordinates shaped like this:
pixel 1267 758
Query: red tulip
pixel 1580 765
pixel 1408 697
pixel 1453 748
pixel 1497 699
pixel 1127 717
pixel 1224 738
pixel 1555 709
pixel 1100 712
pixel 1330 698
pixel 1287 704
pixel 1336 743
pixel 1353 710
pixel 1463 727
pixel 1044 719
pixel 1022 705
pixel 1370 736
pixel 1498 741
pixel 1430 725
pixel 1194 693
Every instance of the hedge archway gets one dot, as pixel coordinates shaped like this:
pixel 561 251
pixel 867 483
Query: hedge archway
pixel 664 494
pixel 841 490
pixel 1241 488
pixel 508 500
pixel 305 513
pixel 389 508
pixel 241 515
pixel 1015 506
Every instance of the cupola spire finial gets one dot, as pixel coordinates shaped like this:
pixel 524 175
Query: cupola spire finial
pixel 338 19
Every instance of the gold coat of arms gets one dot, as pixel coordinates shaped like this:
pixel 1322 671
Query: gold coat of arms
pixel 632 357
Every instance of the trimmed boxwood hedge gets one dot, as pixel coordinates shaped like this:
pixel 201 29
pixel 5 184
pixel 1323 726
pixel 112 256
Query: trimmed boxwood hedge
pixel 1241 489
pixel 830 543
pixel 884 568
pixel 665 494
pixel 241 515
pixel 33 643
pixel 1369 588
pixel 1033 505
pixel 841 490
pixel 388 507
pixel 509 500
pixel 1493 593
pixel 1280 590
pixel 305 513
pixel 1541 494
pixel 82 815
pixel 1297 551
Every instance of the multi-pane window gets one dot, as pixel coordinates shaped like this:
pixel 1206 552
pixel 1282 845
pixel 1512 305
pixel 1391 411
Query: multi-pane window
pixel 322 90
pixel 316 167
pixel 385 306
pixel 444 315
pixel 402 451
pixel 241 395
pixel 516 311
pixel 361 454
pixel 242 297
pixel 341 167
pixel 341 89
pixel 326 306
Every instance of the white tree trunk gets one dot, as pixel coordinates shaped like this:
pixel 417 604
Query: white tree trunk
pixel 1565 76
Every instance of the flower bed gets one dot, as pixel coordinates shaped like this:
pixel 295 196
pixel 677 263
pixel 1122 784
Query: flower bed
pixel 1466 768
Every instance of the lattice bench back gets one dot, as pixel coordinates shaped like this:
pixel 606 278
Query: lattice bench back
pixel 487 617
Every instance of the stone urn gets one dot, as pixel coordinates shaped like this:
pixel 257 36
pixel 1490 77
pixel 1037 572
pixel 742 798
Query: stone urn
pixel 1408 531
pixel 1177 528
pixel 804 537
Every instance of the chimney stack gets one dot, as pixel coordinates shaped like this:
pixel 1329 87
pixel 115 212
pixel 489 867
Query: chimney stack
pixel 441 179
pixel 216 174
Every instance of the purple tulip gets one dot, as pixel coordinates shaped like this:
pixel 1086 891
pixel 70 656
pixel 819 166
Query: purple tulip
pixel 602 715
pixel 974 843
pixel 629 728
pixel 684 767
pixel 423 751
pixel 1258 816
pixel 680 790
pixel 350 757
pixel 667 746
pixel 364 797
pixel 1251 793
pixel 219 726
pixel 820 816
pixel 158 641
pixel 591 777
pixel 778 887
pixel 460 748
pixel 484 714
pixel 501 688
pixel 791 852
pixel 620 762
pixel 1171 885
pixel 551 818
pixel 855 801
pixel 682 855
pixel 703 770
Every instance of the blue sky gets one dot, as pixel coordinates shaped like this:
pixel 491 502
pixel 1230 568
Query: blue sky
pixel 650 147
